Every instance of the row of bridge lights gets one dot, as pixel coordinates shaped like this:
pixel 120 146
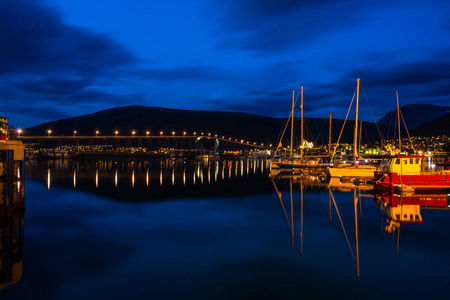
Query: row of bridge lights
pixel 160 133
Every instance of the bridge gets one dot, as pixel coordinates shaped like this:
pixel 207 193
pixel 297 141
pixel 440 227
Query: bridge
pixel 150 142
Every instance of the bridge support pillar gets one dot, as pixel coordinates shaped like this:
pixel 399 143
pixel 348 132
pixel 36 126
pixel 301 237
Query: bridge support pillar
pixel 149 145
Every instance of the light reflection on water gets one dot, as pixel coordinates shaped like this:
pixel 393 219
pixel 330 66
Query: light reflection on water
pixel 140 176
pixel 219 230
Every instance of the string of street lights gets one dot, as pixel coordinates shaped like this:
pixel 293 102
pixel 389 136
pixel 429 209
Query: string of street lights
pixel 161 133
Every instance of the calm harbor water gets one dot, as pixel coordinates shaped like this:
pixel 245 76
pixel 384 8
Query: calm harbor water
pixel 165 229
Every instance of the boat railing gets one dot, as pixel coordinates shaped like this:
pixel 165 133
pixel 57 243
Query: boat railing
pixel 433 172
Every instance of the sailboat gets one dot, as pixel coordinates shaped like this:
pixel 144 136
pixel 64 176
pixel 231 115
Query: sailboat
pixel 354 170
pixel 292 163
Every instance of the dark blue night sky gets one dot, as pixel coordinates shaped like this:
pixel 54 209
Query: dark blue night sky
pixel 64 58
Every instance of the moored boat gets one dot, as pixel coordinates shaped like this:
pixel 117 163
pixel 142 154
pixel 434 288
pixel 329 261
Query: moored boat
pixel 354 170
pixel 403 173
pixel 307 163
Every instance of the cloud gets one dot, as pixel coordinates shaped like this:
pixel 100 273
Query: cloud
pixel 52 86
pixel 273 26
pixel 191 72
pixel 39 112
pixel 409 73
pixel 100 97
pixel 39 53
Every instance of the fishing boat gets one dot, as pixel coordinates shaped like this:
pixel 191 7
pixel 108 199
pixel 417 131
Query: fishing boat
pixel 404 173
pixel 354 169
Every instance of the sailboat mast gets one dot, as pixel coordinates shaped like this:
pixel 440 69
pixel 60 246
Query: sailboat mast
pixel 329 137
pixel 292 122
pixel 398 119
pixel 355 136
pixel 301 129
pixel 360 132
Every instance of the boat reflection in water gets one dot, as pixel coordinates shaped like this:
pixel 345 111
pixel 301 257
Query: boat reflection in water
pixel 307 181
pixel 399 210
pixel 12 208
pixel 141 180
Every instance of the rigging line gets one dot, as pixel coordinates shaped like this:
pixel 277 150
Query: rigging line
pixel 404 123
pixel 285 125
pixel 320 133
pixel 342 224
pixel 370 108
pixel 317 127
pixel 280 137
pixel 392 119
pixel 343 125
pixel 281 134
pixel 388 127
pixel 366 134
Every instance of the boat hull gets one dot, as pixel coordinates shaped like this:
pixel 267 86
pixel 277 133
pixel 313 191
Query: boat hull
pixel 353 171
pixel 283 165
pixel 393 182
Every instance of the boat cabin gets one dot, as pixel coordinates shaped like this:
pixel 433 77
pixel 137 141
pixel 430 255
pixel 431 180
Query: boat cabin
pixel 402 164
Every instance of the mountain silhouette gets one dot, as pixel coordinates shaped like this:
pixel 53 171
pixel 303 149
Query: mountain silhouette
pixel 248 127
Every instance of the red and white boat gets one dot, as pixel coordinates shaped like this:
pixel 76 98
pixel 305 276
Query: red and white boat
pixel 403 173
